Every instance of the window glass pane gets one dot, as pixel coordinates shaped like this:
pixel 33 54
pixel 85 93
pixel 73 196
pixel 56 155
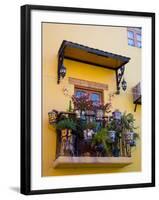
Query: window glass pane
pixel 95 97
pixel 79 93
pixel 131 42
pixel 138 44
pixel 130 35
pixel 138 37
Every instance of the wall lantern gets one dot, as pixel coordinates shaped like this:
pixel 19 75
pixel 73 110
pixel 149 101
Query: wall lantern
pixel 119 77
pixel 62 71
pixel 124 84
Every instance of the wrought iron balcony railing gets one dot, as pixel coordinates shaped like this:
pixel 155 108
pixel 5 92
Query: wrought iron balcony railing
pixel 71 143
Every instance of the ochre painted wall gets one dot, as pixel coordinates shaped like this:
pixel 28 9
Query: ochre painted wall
pixel 111 39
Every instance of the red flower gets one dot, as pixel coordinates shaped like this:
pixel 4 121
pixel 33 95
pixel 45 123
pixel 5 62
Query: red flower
pixel 84 103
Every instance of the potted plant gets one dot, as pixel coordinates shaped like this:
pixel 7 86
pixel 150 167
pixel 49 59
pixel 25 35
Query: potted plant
pixel 101 109
pixel 128 128
pixel 90 130
pixel 112 131
pixel 66 126
pixel 100 142
pixel 82 104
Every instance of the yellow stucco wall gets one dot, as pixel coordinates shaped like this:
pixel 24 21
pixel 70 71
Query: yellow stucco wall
pixel 111 39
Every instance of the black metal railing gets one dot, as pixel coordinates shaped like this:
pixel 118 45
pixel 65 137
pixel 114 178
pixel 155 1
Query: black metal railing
pixel 79 142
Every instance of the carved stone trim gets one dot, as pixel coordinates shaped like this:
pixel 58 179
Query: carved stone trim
pixel 88 84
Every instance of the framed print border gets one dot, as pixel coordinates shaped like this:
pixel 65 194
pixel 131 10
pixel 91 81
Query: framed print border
pixel 26 86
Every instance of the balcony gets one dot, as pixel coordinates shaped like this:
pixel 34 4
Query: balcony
pixel 92 139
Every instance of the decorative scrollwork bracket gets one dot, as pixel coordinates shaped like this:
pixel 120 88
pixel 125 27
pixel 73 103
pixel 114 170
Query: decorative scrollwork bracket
pixel 119 76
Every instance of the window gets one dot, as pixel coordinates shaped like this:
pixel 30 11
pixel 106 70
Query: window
pixel 134 37
pixel 138 40
pixel 95 95
pixel 79 93
pixel 131 40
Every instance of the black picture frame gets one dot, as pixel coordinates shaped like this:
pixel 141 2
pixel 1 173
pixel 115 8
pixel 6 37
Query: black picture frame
pixel 26 98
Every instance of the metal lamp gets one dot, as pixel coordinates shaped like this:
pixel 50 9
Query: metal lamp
pixel 63 71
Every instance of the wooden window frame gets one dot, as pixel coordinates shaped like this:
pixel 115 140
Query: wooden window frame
pixel 90 91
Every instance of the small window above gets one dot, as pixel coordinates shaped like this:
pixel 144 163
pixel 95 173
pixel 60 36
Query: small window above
pixel 134 37
pixel 131 39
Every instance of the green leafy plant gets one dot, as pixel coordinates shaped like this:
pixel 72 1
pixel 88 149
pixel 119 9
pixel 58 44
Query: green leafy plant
pixel 128 122
pixel 66 124
pixel 70 109
pixel 112 125
pixel 128 127
pixel 91 125
pixel 105 107
pixel 81 126
pixel 101 137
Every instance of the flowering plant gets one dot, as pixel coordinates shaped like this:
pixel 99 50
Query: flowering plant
pixel 105 107
pixel 82 103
